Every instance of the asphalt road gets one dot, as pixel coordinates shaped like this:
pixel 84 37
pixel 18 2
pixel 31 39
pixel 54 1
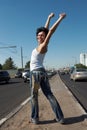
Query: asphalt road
pixel 12 95
pixel 78 88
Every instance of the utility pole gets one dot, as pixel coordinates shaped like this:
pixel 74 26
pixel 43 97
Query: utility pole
pixel 22 57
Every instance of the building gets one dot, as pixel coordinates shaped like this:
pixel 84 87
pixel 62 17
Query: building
pixel 83 58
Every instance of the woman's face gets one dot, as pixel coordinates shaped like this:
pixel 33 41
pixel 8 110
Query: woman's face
pixel 41 37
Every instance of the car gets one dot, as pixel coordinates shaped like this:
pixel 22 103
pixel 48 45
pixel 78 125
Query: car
pixel 62 72
pixel 26 75
pixel 4 76
pixel 78 74
pixel 50 73
pixel 26 71
pixel 18 74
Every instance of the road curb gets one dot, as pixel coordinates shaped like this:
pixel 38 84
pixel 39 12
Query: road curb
pixel 3 120
pixel 75 99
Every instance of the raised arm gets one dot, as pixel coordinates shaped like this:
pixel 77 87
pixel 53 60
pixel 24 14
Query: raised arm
pixel 48 20
pixel 53 28
pixel 55 25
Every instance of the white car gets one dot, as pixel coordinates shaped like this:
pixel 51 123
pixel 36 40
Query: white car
pixel 25 72
pixel 79 74
pixel 26 75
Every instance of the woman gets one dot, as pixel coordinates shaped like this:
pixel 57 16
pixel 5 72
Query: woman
pixel 38 73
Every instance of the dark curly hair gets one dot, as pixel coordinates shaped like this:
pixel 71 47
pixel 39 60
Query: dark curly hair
pixel 42 29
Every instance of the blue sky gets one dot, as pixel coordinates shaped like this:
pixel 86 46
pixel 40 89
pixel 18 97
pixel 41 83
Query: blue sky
pixel 19 20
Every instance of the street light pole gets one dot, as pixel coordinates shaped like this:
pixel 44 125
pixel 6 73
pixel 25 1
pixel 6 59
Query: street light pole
pixel 8 47
pixel 22 57
pixel 15 47
pixel 75 59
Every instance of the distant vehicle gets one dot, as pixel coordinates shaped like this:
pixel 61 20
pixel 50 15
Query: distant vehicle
pixel 50 73
pixel 78 74
pixel 4 76
pixel 62 72
pixel 26 71
pixel 18 74
pixel 26 75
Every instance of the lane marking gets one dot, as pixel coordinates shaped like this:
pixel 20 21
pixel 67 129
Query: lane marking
pixel 3 120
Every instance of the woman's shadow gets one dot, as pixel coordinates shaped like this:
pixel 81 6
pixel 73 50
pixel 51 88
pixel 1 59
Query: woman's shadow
pixel 67 121
pixel 73 120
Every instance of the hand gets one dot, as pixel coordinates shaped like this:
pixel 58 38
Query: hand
pixel 51 15
pixel 63 15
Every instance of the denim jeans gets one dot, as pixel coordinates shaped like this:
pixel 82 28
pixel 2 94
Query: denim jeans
pixel 39 79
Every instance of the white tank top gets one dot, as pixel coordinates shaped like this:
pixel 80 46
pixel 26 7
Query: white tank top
pixel 36 60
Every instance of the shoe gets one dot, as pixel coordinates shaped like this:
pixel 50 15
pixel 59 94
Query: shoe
pixel 61 121
pixel 34 121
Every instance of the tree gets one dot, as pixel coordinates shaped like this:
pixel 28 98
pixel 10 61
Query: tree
pixel 80 66
pixel 0 67
pixel 9 64
pixel 27 64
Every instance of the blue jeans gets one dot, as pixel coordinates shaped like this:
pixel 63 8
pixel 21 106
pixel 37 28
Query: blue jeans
pixel 39 79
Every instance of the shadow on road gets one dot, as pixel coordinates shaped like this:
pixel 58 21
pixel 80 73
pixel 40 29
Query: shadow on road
pixel 73 120
pixel 70 120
